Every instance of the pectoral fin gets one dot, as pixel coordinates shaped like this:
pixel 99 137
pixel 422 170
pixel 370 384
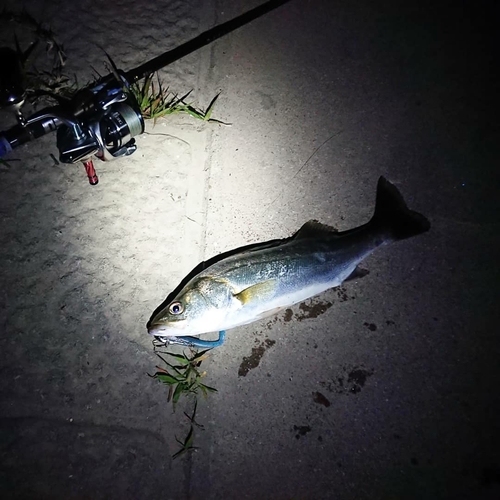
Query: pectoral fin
pixel 260 291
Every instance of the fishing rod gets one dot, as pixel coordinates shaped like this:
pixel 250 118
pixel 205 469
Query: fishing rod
pixel 103 119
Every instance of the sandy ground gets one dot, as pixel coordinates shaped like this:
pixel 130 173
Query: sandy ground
pixel 384 388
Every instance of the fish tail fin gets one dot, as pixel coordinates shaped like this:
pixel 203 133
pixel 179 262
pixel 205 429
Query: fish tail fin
pixel 393 215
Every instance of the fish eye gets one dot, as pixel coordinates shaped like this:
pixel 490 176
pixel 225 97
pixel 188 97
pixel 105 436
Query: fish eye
pixel 176 308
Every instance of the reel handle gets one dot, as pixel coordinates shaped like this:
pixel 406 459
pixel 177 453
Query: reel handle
pixel 91 173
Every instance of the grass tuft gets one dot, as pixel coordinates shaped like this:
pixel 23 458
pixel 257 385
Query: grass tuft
pixel 183 376
pixel 155 101
pixel 184 379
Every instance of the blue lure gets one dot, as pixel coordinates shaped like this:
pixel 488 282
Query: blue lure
pixel 194 341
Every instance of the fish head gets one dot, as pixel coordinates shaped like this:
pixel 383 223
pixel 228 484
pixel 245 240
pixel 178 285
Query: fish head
pixel 200 307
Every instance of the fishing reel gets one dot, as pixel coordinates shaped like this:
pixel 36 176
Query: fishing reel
pixel 101 120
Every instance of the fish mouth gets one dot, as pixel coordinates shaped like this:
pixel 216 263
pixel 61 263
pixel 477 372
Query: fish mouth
pixel 169 328
pixel 160 331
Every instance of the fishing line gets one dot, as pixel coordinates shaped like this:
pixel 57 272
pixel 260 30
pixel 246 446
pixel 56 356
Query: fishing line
pixel 307 161
pixel 336 134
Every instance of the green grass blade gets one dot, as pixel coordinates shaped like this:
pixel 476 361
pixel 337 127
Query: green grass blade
pixel 179 453
pixel 210 108
pixel 166 379
pixel 208 388
pixel 181 387
pixel 180 358
pixel 189 438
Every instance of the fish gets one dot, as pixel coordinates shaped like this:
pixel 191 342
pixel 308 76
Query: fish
pixel 263 280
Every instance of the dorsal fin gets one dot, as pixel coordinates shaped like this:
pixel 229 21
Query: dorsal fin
pixel 313 228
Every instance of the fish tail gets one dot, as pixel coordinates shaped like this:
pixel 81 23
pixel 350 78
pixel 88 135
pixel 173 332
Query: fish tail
pixel 394 216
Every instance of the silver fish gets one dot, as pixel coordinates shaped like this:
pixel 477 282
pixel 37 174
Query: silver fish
pixel 255 283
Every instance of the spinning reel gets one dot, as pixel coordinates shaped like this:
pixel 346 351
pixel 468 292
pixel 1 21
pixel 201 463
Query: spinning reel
pixel 101 120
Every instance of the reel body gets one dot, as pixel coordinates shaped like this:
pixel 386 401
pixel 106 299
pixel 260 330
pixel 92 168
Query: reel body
pixel 100 121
